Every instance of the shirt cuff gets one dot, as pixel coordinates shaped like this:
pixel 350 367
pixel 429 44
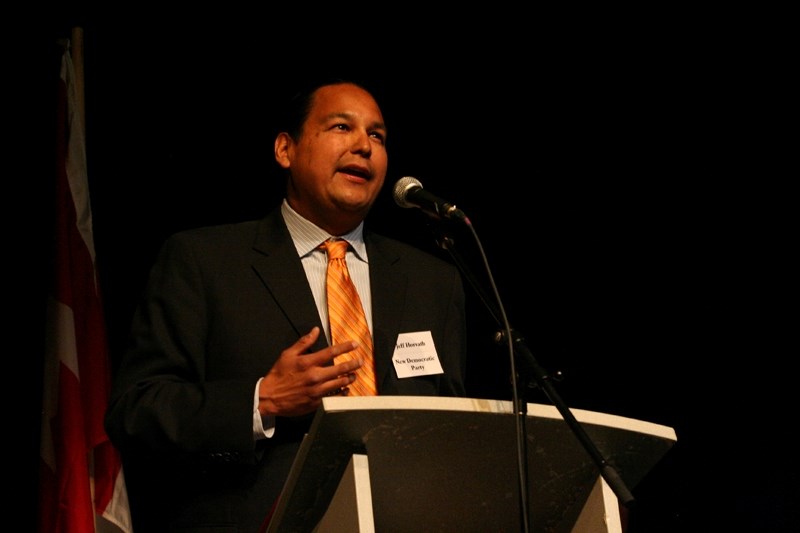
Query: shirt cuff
pixel 263 426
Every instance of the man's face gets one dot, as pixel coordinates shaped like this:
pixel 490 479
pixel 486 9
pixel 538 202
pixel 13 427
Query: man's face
pixel 338 165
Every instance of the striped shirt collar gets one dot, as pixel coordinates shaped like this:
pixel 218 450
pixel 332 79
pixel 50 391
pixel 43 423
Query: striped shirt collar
pixel 307 236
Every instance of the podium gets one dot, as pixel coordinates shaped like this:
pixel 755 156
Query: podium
pixel 438 464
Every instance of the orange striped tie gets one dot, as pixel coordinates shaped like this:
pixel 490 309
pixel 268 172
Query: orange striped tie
pixel 347 318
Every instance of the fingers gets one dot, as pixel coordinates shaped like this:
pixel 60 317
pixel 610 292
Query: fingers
pixel 349 365
pixel 334 379
pixel 297 355
pixel 299 379
pixel 343 347
pixel 307 340
pixel 327 355
pixel 339 386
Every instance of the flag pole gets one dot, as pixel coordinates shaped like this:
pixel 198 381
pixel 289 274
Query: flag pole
pixel 76 51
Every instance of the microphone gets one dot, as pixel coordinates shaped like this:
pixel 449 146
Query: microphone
pixel 408 192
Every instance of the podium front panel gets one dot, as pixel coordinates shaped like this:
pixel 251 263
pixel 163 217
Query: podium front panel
pixel 450 464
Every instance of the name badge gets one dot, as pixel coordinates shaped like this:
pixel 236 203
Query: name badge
pixel 415 355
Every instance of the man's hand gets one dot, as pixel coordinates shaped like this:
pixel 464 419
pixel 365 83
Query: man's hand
pixel 298 381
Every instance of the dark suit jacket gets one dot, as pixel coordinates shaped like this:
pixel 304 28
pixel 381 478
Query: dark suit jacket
pixel 221 304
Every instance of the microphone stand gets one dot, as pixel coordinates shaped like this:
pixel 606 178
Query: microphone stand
pixel 529 370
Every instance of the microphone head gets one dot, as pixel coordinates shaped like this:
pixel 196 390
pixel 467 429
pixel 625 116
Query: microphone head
pixel 402 188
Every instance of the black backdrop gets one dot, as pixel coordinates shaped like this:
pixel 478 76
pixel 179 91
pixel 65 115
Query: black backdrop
pixel 598 172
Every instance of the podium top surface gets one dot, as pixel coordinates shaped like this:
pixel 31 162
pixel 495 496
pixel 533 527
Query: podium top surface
pixel 475 405
pixel 450 464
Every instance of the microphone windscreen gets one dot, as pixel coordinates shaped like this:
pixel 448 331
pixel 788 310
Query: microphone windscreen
pixel 402 188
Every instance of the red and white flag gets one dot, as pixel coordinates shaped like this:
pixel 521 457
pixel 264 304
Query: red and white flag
pixel 82 489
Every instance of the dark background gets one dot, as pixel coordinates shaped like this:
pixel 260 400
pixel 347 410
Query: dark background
pixel 614 176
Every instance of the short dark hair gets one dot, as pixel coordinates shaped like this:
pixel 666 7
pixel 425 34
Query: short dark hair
pixel 293 115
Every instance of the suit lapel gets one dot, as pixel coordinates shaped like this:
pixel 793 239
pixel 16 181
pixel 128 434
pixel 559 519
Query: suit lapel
pixel 277 264
pixel 389 290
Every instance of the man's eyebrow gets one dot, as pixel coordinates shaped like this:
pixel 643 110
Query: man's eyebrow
pixel 339 114
pixel 377 125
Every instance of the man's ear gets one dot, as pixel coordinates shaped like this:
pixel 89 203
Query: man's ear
pixel 283 144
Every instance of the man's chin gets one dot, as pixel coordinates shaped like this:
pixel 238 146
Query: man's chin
pixel 356 206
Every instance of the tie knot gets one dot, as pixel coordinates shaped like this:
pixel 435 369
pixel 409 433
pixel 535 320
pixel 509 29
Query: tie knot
pixel 336 249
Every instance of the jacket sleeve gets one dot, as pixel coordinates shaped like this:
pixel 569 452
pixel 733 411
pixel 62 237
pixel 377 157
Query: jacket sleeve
pixel 162 400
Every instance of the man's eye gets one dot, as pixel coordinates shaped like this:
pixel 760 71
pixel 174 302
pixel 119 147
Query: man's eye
pixel 380 136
